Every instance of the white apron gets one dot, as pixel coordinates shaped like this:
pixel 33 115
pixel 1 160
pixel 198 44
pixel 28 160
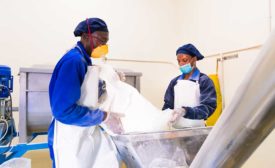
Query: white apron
pixel 83 147
pixel 187 93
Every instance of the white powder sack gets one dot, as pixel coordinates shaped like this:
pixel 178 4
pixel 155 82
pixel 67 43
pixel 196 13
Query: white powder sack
pixel 120 97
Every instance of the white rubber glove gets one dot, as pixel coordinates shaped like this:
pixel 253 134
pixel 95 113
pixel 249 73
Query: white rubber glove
pixel 176 115
pixel 113 122
pixel 121 75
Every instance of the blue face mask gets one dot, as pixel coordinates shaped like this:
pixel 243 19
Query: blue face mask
pixel 185 69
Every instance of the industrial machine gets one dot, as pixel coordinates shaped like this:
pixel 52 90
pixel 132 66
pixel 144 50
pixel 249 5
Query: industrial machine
pixel 7 124
pixel 170 149
pixel 7 127
pixel 34 106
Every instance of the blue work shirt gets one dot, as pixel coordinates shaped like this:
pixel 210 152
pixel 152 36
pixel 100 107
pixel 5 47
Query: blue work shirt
pixel 65 91
pixel 208 96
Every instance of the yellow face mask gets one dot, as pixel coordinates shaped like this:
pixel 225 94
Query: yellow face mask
pixel 100 51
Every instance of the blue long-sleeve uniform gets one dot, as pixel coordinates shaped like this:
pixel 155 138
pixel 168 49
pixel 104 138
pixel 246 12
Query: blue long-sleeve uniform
pixel 65 91
pixel 208 96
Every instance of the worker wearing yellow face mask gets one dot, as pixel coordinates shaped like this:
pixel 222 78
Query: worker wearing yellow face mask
pixel 93 41
pixel 72 137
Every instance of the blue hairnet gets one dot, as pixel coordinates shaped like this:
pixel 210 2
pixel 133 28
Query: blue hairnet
pixel 95 24
pixel 191 50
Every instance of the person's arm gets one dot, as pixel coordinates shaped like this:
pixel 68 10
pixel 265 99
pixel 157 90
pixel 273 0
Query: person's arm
pixel 169 96
pixel 67 92
pixel 207 101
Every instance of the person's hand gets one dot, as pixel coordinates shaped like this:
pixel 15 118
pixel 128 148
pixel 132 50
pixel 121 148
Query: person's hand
pixel 121 75
pixel 113 122
pixel 176 115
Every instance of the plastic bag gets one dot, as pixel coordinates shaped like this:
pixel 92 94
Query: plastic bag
pixel 140 114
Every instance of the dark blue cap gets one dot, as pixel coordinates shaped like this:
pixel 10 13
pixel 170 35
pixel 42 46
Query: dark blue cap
pixel 191 50
pixel 95 24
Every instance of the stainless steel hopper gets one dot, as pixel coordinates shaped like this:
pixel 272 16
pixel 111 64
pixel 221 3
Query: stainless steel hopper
pixel 167 149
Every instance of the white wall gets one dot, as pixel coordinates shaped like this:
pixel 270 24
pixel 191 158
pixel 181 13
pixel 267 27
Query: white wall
pixel 216 26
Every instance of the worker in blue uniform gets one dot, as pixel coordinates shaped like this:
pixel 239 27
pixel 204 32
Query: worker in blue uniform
pixel 72 136
pixel 192 94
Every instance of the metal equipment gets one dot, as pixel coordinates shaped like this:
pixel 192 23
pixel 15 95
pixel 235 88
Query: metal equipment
pixel 247 121
pixel 7 127
pixel 34 106
pixel 167 149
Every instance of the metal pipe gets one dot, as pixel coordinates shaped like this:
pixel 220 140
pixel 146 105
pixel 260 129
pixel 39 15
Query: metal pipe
pixel 226 53
pixel 141 61
pixel 247 121
pixel 222 81
pixel 220 55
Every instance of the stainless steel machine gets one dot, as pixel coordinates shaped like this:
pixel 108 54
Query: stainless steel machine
pixel 169 149
pixel 34 106
pixel 248 120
